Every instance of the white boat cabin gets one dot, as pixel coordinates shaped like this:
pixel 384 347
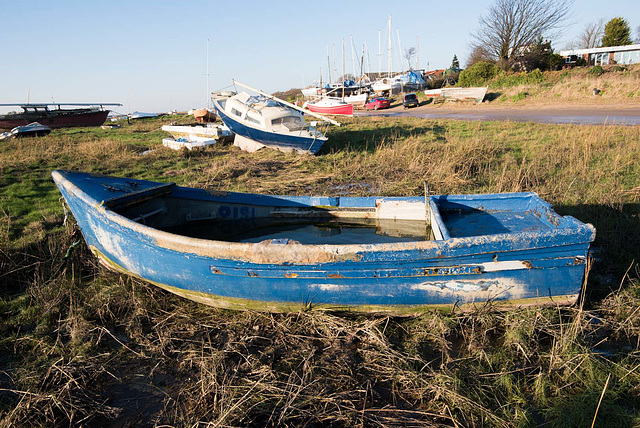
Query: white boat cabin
pixel 264 113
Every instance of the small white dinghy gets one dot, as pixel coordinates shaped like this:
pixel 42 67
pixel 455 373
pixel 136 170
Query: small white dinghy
pixel 197 136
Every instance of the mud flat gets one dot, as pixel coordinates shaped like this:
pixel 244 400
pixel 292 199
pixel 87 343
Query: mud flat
pixel 586 114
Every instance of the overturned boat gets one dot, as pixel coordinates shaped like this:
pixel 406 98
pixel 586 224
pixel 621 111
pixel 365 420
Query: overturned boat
pixel 368 254
pixel 476 94
pixel 33 129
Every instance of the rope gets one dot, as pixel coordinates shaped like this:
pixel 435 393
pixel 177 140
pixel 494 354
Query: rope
pixel 66 212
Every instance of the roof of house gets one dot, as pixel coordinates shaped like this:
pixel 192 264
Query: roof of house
pixel 600 50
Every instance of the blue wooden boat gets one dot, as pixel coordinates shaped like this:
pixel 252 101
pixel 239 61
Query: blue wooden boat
pixel 247 251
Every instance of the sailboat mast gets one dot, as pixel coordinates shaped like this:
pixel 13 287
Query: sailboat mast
pixel 353 57
pixel 379 54
pixel 366 48
pixel 417 52
pixel 342 78
pixel 328 65
pixel 208 93
pixel 400 46
pixel 389 60
pixel 335 70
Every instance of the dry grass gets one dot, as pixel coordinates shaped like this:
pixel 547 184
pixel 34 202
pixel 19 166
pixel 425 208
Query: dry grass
pixel 81 346
pixel 617 86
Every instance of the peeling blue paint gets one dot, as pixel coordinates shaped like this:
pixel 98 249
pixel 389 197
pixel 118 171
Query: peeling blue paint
pixel 513 247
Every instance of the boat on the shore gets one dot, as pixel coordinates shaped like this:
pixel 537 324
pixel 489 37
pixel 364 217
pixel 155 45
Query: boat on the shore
pixel 388 85
pixel 265 121
pixel 196 136
pixel 210 131
pixel 397 255
pixel 357 100
pixel 143 115
pixel 311 92
pixel 203 115
pixel 476 94
pixel 54 116
pixel 31 130
pixel 332 106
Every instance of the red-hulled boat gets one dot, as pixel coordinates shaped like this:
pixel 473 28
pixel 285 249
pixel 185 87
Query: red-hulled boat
pixel 331 106
pixel 204 115
pixel 82 115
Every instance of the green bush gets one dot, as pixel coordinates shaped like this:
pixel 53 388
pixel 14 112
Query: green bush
pixel 504 80
pixel 478 74
pixel 555 61
pixel 596 70
pixel 519 96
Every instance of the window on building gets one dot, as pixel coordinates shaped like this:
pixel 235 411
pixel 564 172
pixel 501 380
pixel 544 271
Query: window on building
pixel 600 58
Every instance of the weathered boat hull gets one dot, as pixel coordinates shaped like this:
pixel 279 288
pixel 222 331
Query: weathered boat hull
pixel 56 118
pixel 476 94
pixel 34 129
pixel 199 133
pixel 204 116
pixel 546 264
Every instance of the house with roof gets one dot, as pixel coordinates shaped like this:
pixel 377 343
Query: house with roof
pixel 627 54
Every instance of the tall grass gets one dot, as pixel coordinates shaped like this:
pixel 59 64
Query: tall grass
pixel 617 85
pixel 83 346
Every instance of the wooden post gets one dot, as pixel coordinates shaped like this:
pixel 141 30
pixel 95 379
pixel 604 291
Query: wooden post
pixel 427 205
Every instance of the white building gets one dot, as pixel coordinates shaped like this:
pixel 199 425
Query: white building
pixel 628 54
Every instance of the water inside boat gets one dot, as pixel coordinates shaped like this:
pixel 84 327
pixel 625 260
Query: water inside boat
pixel 308 231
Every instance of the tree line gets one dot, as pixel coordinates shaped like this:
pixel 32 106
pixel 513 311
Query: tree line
pixel 516 34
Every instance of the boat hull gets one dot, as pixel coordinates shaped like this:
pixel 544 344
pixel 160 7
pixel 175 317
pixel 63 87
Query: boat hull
pixel 476 94
pixel 283 142
pixel 399 278
pixel 55 119
pixel 218 133
pixel 342 109
pixel 204 116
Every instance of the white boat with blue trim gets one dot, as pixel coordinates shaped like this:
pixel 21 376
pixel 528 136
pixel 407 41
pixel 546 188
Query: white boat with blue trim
pixel 399 255
pixel 265 121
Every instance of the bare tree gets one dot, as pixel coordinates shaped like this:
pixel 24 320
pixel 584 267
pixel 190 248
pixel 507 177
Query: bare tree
pixel 638 34
pixel 478 54
pixel 510 26
pixel 408 54
pixel 591 36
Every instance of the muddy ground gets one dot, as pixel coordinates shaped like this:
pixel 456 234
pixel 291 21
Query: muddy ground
pixel 592 114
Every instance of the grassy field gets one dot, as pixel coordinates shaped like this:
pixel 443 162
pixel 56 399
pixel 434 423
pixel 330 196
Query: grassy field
pixel 618 85
pixel 83 346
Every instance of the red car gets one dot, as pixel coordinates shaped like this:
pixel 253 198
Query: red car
pixel 378 103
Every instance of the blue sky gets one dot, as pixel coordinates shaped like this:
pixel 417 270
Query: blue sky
pixel 151 55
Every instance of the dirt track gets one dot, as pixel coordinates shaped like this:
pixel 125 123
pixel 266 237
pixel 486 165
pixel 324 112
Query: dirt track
pixel 612 114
